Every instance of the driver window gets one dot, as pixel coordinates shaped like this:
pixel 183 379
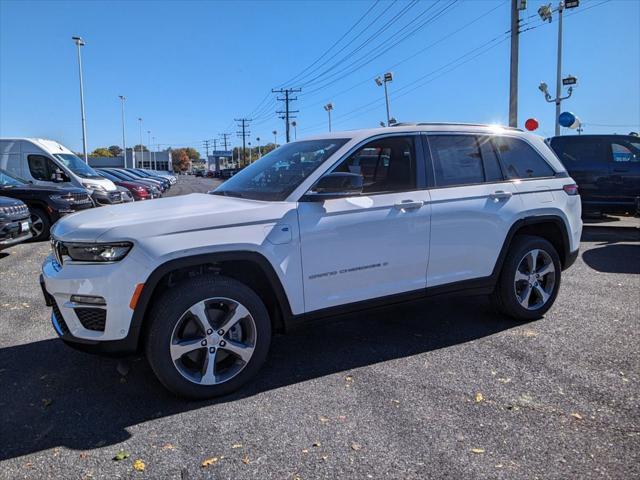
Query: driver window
pixel 386 165
pixel 41 167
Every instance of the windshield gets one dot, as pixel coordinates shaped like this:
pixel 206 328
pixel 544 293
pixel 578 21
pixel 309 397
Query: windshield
pixel 77 166
pixel 278 173
pixel 7 180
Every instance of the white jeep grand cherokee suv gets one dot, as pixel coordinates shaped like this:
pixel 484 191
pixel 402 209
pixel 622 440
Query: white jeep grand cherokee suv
pixel 332 223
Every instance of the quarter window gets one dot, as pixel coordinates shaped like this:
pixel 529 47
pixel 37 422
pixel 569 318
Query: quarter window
pixel 386 165
pixel 622 153
pixel 520 160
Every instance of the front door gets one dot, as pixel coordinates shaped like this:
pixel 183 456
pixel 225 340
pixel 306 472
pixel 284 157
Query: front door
pixel 625 169
pixel 374 244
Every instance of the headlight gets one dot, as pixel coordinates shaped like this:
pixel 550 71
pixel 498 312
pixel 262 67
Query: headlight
pixel 93 187
pixel 96 252
pixel 62 198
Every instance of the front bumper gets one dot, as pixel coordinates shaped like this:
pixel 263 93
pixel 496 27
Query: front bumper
pixel 107 198
pixel 114 282
pixel 12 232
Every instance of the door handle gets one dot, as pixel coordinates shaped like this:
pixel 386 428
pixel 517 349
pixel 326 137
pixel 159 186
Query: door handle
pixel 408 205
pixel 498 194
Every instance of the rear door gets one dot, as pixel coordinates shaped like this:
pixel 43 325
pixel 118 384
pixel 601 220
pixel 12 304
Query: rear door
pixel 472 208
pixel 587 161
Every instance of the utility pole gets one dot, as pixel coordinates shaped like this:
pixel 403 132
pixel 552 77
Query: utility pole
pixel 244 133
pixel 124 141
pixel 206 146
pixel 287 114
pixel 516 6
pixel 225 140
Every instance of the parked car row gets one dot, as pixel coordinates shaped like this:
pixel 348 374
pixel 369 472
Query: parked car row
pixel 50 181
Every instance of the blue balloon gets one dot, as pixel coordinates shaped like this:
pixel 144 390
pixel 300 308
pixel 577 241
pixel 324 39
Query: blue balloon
pixel 566 119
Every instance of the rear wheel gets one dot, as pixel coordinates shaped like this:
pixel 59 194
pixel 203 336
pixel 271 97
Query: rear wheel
pixel 40 224
pixel 530 279
pixel 209 335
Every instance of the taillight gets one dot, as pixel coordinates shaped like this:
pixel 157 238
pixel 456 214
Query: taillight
pixel 571 189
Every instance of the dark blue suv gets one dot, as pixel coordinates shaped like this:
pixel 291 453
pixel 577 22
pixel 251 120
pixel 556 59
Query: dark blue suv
pixel 606 169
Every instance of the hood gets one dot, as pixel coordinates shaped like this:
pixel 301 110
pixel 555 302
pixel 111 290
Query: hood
pixel 164 216
pixel 31 189
pixel 10 202
pixel 105 183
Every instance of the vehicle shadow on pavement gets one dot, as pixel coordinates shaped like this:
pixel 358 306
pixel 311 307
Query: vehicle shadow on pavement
pixel 54 396
pixel 615 252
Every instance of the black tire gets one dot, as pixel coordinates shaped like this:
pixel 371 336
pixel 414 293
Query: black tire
pixel 168 310
pixel 40 217
pixel 504 297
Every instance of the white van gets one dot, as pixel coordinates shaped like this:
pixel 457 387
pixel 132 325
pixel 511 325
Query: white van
pixel 46 162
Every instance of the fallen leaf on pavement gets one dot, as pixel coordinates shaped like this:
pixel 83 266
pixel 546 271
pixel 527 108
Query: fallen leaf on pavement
pixel 138 465
pixel 236 445
pixel 349 378
pixel 317 444
pixel 479 397
pixel 121 455
pixel 477 450
pixel 168 446
pixel 323 419
pixel 46 402
pixel 245 459
pixel 209 461
pixel 356 446
pixel 576 415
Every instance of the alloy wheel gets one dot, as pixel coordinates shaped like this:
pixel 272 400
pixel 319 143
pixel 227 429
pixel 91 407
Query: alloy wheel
pixel 213 341
pixel 535 279
pixel 37 225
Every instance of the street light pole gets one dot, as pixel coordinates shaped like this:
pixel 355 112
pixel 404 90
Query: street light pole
pixel 137 164
pixel 259 152
pixel 294 124
pixel 80 43
pixel 155 164
pixel 329 106
pixel 275 139
pixel 387 77
pixel 124 141
pixel 545 13
pixel 250 156
pixel 559 68
pixel 149 146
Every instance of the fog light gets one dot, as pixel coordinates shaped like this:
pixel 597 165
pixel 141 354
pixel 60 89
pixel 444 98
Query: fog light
pixel 88 299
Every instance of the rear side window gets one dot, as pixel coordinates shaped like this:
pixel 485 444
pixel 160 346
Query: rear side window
pixel 519 160
pixel 463 160
pixel 625 152
pixel 41 167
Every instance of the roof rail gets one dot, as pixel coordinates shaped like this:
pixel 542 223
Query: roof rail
pixel 424 124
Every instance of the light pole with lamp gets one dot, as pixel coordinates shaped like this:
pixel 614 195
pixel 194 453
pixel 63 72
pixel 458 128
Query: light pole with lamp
pixel 250 157
pixel 294 124
pixel 155 164
pixel 386 78
pixel 124 141
pixel 545 13
pixel 275 139
pixel 329 106
pixel 137 164
pixel 148 148
pixel 259 152
pixel 80 43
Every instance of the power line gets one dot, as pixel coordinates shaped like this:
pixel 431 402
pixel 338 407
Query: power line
pixel 291 80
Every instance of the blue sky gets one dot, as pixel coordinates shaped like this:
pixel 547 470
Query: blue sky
pixel 189 68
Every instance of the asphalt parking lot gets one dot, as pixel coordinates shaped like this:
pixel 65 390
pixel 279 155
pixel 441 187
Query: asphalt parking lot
pixel 443 388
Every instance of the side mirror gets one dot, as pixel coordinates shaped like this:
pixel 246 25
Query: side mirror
pixel 336 185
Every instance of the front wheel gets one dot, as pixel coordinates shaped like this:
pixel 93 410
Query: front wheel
pixel 530 279
pixel 208 336
pixel 40 225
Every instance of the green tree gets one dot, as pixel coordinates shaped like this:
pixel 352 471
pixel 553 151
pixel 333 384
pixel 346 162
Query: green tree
pixel 115 150
pixel 101 152
pixel 137 148
pixel 179 159
pixel 192 153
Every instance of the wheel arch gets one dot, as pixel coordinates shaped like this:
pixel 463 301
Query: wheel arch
pixel 251 268
pixel 550 227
